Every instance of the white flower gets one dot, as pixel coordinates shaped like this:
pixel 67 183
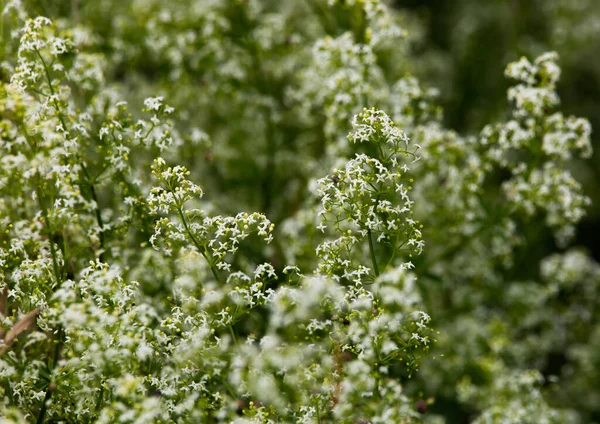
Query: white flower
pixel 154 103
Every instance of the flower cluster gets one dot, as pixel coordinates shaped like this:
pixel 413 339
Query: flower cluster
pixel 526 401
pixel 213 237
pixel 535 145
pixel 336 82
pixel 368 200
pixel 38 49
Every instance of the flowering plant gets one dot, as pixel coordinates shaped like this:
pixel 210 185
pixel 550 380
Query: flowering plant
pixel 378 278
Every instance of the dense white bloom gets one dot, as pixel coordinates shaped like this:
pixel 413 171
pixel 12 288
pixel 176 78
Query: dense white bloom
pixel 125 298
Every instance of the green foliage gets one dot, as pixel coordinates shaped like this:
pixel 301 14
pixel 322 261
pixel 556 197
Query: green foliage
pixel 131 294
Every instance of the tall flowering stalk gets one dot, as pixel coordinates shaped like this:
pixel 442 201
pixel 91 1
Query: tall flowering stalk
pixel 367 203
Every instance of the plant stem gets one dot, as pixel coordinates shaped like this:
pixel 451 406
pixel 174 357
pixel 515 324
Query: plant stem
pixel 197 244
pixel 233 334
pixel 48 395
pixel 212 268
pixel 372 250
pixel 97 211
pixel 100 395
pixel 83 167
pixel 42 415
pixel 50 238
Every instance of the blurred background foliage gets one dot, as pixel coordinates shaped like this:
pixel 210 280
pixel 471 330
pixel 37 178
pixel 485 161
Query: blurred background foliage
pixel 468 41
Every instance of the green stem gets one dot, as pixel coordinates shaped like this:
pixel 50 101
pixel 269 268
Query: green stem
pixel 42 415
pixel 212 267
pixel 372 250
pixel 233 334
pixel 48 395
pixel 54 102
pixel 318 412
pixel 396 250
pixel 382 158
pixel 50 237
pixel 229 389
pixel 97 211
pixel 83 167
pixel 197 244
pixel 100 396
